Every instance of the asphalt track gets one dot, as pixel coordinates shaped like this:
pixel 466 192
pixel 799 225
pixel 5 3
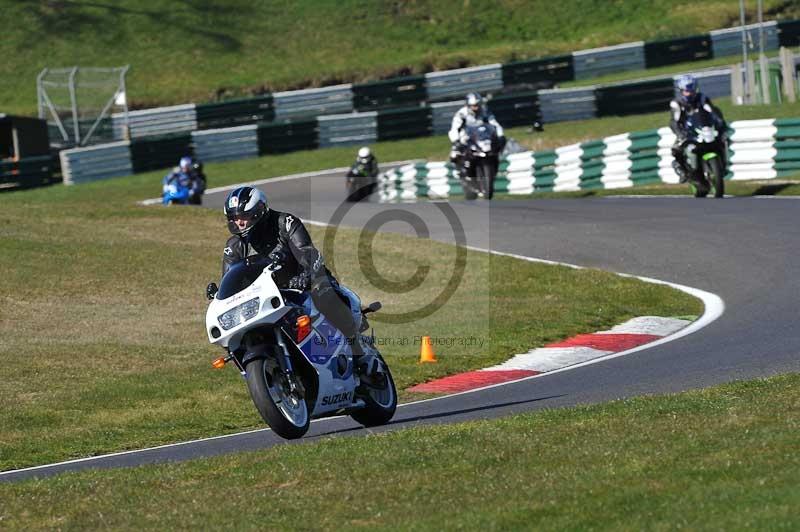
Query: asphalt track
pixel 742 249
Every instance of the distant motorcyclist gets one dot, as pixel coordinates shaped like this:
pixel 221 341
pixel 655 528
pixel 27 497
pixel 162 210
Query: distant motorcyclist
pixel 472 113
pixel 688 101
pixel 189 174
pixel 366 164
pixel 362 178
pixel 258 230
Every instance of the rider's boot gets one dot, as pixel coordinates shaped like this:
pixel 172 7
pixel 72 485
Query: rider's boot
pixel 681 170
pixel 339 314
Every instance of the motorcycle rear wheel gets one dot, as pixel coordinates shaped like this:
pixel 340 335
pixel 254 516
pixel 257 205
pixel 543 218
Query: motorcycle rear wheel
pixel 285 412
pixel 381 403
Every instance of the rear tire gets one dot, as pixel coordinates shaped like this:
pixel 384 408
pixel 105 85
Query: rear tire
pixel 287 414
pixel 380 403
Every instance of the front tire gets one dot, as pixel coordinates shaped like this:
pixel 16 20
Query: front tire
pixel 285 412
pixel 716 176
pixel 381 402
pixel 486 178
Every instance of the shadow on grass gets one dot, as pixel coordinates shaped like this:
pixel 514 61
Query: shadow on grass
pixel 70 17
pixel 397 422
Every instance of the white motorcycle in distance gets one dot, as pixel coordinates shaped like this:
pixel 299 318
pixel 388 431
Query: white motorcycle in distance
pixel 480 161
pixel 296 364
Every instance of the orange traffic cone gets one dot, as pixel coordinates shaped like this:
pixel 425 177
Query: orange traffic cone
pixel 426 351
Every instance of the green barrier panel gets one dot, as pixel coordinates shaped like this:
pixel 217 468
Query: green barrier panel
pixel 29 172
pixel 635 98
pixel 521 109
pixel 395 92
pixel 544 72
pixel 164 151
pixel 674 51
pixel 233 113
pixel 405 123
pixel 789 33
pixel 286 136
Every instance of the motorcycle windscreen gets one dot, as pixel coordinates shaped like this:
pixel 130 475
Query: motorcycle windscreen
pixel 239 276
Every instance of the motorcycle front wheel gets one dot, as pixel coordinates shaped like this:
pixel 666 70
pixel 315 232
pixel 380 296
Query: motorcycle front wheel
pixel 716 177
pixel 284 411
pixel 380 400
pixel 486 178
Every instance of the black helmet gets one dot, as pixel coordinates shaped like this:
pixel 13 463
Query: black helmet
pixel 244 204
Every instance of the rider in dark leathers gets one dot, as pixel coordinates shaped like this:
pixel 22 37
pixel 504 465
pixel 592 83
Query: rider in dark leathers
pixel 283 238
pixel 689 100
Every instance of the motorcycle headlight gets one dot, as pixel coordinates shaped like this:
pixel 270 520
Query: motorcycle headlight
pixel 238 314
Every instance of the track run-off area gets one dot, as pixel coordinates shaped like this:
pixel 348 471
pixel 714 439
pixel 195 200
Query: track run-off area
pixel 740 251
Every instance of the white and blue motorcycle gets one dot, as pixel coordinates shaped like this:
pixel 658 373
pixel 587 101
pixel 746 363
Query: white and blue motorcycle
pixel 297 365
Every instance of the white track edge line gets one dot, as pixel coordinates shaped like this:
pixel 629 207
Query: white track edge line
pixel 267 180
pixel 714 308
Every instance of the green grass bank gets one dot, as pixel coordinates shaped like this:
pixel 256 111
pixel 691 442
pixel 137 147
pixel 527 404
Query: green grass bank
pixel 717 459
pixel 200 51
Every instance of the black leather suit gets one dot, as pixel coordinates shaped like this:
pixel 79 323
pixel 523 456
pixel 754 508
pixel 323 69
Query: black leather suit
pixel 679 110
pixel 285 234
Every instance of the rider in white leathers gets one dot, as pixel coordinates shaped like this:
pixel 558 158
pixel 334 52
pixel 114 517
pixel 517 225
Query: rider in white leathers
pixel 473 112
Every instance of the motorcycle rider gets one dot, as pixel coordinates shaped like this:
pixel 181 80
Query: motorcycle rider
pixel 282 237
pixel 366 164
pixel 472 113
pixel 688 101
pixel 189 174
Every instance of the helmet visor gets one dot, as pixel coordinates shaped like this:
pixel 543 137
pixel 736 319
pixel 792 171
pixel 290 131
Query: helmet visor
pixel 240 222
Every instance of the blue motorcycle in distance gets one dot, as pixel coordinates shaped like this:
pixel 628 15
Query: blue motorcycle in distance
pixel 175 189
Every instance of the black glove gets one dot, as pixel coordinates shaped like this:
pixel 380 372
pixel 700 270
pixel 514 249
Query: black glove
pixel 299 281
pixel 211 291
pixel 277 256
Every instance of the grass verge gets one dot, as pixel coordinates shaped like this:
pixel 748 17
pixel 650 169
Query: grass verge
pixel 723 458
pixel 104 311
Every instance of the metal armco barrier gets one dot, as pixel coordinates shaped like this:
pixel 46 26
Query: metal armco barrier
pixel 452 84
pixel 760 149
pixel 442 115
pixel 607 60
pixel 83 165
pixel 729 41
pixel 714 83
pixel 309 103
pixel 344 130
pixel 568 104
pixel 159 121
pixel 226 144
